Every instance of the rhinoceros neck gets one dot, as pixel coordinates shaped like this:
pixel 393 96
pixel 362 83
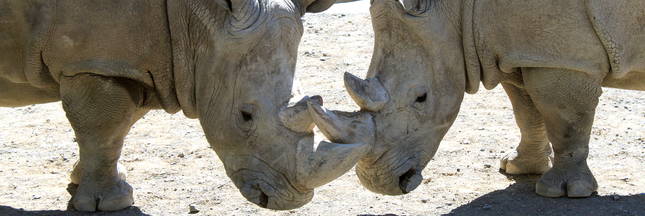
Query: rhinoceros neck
pixel 188 25
pixel 194 28
pixel 182 55
pixel 471 59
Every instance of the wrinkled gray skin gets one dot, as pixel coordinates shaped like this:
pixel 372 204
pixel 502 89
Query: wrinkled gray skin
pixel 229 63
pixel 551 57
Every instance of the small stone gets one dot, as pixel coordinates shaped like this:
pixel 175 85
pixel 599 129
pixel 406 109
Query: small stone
pixel 292 211
pixel 193 208
pixel 465 142
pixel 616 197
pixel 487 166
pixel 487 207
pixel 426 181
pixel 482 149
pixel 424 200
pixel 323 59
pixel 37 197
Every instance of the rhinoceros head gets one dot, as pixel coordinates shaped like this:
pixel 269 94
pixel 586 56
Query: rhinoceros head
pixel 411 96
pixel 244 69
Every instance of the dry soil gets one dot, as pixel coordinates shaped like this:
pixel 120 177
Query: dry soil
pixel 171 165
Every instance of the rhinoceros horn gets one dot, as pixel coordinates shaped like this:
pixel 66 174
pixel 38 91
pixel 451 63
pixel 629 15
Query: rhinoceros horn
pixel 316 167
pixel 369 94
pixel 296 116
pixel 343 127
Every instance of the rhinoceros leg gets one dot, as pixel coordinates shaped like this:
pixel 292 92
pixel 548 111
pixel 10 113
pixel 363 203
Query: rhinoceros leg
pixel 567 100
pixel 101 111
pixel 77 173
pixel 533 155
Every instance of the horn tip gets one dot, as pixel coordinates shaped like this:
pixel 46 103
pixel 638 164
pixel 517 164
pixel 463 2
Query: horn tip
pixel 317 99
pixel 347 76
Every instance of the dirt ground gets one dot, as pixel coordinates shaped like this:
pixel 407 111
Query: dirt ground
pixel 171 165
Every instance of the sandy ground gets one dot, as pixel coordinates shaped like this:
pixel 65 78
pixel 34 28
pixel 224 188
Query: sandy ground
pixel 171 166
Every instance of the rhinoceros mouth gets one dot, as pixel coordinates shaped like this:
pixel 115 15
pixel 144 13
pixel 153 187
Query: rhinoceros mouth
pixel 389 178
pixel 271 192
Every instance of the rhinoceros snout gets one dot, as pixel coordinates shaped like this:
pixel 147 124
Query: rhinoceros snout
pixel 266 194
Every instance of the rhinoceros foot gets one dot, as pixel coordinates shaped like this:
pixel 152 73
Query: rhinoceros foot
pixel 91 197
pixel 572 181
pixel 516 164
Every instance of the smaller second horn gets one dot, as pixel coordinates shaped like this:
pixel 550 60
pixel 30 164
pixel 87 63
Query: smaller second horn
pixel 297 118
pixel 369 94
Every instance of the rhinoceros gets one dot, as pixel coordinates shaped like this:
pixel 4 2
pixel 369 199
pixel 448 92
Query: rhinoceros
pixel 551 57
pixel 229 63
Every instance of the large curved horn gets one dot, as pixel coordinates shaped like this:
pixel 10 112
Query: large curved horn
pixel 368 94
pixel 316 167
pixel 343 127
pixel 296 116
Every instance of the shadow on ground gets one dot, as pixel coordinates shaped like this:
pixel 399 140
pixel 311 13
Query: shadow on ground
pixel 6 210
pixel 71 188
pixel 520 199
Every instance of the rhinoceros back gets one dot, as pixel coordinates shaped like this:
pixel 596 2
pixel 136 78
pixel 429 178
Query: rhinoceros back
pixel 620 25
pixel 23 34
pixel 40 41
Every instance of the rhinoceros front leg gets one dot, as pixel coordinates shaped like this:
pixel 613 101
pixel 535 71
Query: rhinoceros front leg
pixel 533 155
pixel 77 173
pixel 567 101
pixel 101 111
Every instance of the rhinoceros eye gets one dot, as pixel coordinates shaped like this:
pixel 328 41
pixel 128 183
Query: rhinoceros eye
pixel 422 98
pixel 246 116
pixel 418 94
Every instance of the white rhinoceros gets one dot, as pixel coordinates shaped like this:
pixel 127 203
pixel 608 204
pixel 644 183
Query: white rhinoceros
pixel 551 57
pixel 229 63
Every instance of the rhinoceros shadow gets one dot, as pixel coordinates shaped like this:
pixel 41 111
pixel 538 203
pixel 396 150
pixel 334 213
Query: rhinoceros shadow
pixel 6 210
pixel 70 211
pixel 521 199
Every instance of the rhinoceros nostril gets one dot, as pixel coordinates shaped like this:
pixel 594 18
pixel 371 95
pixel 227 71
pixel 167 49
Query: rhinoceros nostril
pixel 264 200
pixel 410 180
